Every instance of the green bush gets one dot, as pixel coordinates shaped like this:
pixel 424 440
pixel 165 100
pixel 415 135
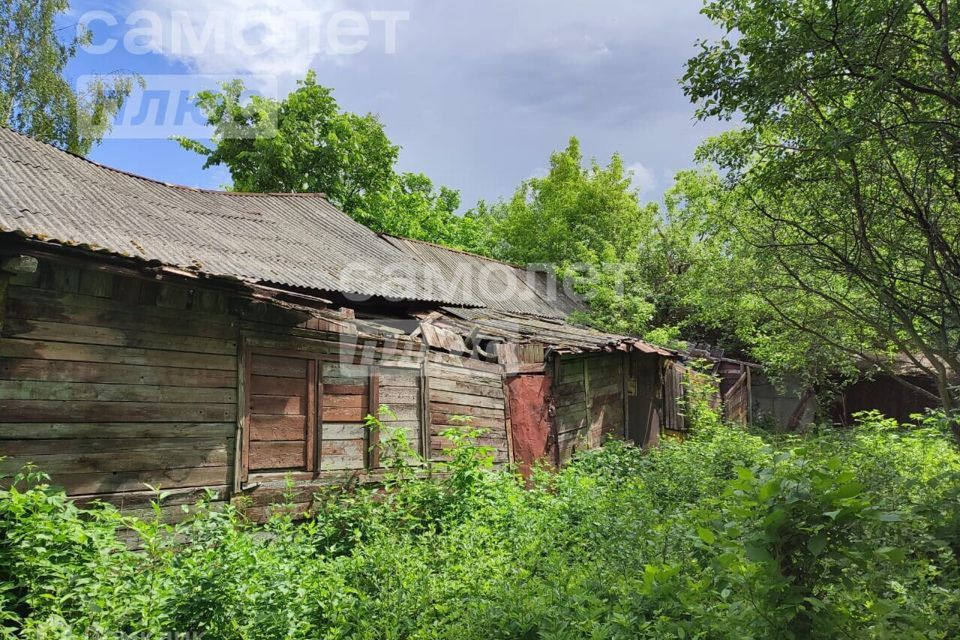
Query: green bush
pixel 725 535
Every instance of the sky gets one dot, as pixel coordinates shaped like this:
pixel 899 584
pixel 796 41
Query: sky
pixel 477 94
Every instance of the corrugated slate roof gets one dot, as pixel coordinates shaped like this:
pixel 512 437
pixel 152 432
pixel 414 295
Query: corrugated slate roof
pixel 284 239
pixel 497 285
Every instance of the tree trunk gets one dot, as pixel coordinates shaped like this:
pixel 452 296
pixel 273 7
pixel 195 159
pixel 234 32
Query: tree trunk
pixel 949 402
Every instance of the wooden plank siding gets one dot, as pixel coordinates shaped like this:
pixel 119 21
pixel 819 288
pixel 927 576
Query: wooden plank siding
pixel 109 382
pixel 460 386
pixel 589 401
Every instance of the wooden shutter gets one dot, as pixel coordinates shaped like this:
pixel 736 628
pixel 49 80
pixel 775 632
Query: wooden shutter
pixel 282 413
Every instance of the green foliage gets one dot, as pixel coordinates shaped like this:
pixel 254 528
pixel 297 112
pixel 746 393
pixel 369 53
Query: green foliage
pixel 845 171
pixel 35 97
pixel 588 224
pixel 725 535
pixel 306 144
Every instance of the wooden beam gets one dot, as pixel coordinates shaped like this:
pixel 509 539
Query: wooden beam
pixel 4 284
pixel 374 404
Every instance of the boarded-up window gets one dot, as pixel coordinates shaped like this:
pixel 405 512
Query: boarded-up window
pixel 346 402
pixel 282 413
pixel 308 414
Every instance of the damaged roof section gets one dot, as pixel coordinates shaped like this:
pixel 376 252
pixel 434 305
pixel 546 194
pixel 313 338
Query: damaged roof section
pixel 525 311
pixel 497 285
pixel 555 336
pixel 290 240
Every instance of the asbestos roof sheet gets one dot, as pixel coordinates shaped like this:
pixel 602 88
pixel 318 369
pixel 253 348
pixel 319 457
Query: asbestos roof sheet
pixel 497 285
pixel 299 241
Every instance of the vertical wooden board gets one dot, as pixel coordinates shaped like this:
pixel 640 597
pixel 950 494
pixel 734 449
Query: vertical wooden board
pixel 4 285
pixel 373 435
pixel 241 469
pixel 126 290
pixel 174 296
pixel 311 415
pixel 59 277
pixel 97 284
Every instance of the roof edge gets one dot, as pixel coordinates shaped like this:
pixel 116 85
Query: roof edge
pixel 220 192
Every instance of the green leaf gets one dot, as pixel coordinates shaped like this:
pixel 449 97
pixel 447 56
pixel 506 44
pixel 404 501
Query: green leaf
pixel 758 553
pixel 817 544
pixel 706 535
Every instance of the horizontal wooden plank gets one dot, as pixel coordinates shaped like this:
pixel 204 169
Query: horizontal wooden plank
pixel 469 388
pixel 343 402
pixel 108 336
pixel 274 428
pixel 462 410
pixel 14 348
pixel 481 384
pixel 278 455
pixel 572 425
pixel 114 430
pixel 278 405
pixel 439 443
pixel 111 483
pixel 569 399
pixel 107 373
pixel 143 499
pixel 138 460
pixel 399 395
pixel 453 372
pixel 343 432
pixel 402 412
pixel 465 400
pixel 66 411
pixel 439 419
pixel 21 448
pixel 337 455
pixel 276 366
pixel 343 382
pixel 277 386
pixel 31 390
pixel 560 390
pixel 344 389
pixel 33 303
pixel 457 362
pixel 573 434
pixel 340 370
pixel 574 408
pixel 399 379
pixel 344 414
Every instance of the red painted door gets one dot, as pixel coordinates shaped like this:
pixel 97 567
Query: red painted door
pixel 530 420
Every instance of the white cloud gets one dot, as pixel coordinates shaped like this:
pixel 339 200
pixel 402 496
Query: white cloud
pixel 644 180
pixel 267 37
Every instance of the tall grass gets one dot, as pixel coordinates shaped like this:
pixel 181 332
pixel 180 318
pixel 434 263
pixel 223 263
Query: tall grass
pixel 726 535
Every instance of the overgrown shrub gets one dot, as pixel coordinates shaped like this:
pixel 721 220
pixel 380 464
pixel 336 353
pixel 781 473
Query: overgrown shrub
pixel 725 535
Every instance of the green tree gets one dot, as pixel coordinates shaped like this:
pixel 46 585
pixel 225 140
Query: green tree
pixel 35 97
pixel 588 223
pixel 848 166
pixel 306 144
pixel 715 286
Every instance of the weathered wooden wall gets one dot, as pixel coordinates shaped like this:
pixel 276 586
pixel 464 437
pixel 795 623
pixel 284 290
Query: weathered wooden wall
pixel 589 400
pixel 339 379
pixel 109 382
pixel 460 386
pixel 645 373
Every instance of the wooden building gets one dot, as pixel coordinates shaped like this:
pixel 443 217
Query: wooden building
pixel 185 339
